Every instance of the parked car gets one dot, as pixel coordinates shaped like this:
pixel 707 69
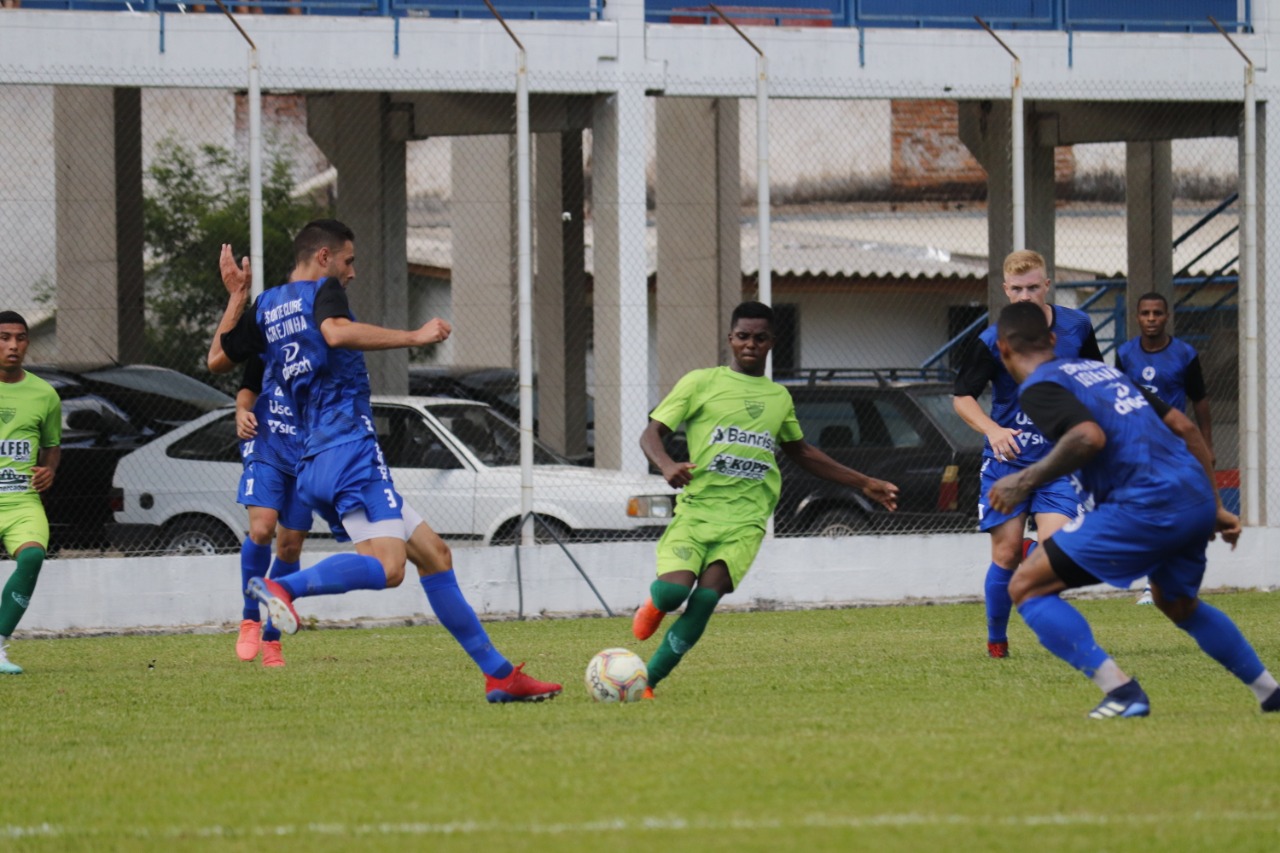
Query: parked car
pixel 894 424
pixel 497 386
pixel 107 412
pixel 456 461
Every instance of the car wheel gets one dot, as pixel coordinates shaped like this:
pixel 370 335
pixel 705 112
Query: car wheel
pixel 197 537
pixel 509 533
pixel 840 522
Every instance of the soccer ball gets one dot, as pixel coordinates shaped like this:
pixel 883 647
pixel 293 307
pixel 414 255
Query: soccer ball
pixel 617 675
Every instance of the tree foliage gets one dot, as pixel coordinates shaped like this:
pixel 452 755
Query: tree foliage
pixel 197 199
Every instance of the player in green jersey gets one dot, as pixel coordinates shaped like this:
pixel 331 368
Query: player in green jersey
pixel 30 435
pixel 736 418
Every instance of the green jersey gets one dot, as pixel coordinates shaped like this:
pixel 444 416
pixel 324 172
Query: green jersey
pixel 734 423
pixel 30 418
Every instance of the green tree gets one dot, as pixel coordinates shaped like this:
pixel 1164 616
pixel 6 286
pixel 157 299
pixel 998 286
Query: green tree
pixel 198 199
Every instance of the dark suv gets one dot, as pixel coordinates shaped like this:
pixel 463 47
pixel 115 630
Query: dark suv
pixel 108 411
pixel 893 424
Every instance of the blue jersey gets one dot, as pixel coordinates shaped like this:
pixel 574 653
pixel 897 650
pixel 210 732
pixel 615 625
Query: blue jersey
pixel 328 385
pixel 279 440
pixel 1075 338
pixel 1171 373
pixel 1144 465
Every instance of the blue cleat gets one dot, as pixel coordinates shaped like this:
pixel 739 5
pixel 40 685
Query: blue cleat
pixel 1272 702
pixel 1127 700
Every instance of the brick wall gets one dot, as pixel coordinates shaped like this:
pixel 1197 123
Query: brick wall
pixel 928 160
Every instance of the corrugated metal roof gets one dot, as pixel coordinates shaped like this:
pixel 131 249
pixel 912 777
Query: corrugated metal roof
pixel 1091 243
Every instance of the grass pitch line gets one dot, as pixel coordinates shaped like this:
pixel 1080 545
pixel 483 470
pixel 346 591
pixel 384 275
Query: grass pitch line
pixel 643 824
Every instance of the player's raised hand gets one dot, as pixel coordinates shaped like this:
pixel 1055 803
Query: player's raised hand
pixel 1004 443
pixel 433 331
pixel 678 474
pixel 236 278
pixel 1228 527
pixel 883 493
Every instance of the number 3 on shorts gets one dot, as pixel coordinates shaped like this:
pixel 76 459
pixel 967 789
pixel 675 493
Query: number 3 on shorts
pixel 391 498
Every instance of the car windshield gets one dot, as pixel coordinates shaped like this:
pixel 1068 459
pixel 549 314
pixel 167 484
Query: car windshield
pixel 492 438
pixel 938 405
pixel 167 383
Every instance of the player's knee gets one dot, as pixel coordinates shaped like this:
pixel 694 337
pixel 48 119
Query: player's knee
pixel 1178 610
pixel 261 533
pixel 395 572
pixel 288 551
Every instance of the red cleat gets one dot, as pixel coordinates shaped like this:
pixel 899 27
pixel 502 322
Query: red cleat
pixel 250 637
pixel 648 693
pixel 518 687
pixel 1027 545
pixel 272 654
pixel 279 603
pixel 998 650
pixel 646 620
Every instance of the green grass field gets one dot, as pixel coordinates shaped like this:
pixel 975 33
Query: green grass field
pixel 878 728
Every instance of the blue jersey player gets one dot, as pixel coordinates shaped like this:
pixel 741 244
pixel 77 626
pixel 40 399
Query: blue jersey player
pixel 270 443
pixel 1167 367
pixel 313 348
pixel 1013 442
pixel 1150 508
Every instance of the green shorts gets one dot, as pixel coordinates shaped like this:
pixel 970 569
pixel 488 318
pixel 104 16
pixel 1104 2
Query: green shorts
pixel 691 544
pixel 23 521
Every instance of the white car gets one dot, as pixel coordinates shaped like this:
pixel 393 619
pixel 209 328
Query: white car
pixel 456 461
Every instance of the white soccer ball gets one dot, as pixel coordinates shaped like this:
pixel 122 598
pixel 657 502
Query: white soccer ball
pixel 617 675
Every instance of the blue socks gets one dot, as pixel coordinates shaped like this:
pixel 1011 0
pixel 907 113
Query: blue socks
pixel 1221 640
pixel 336 574
pixel 457 616
pixel 254 559
pixel 1062 630
pixel 279 569
pixel 999 605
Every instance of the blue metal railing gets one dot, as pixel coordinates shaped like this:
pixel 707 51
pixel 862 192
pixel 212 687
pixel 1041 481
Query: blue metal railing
pixel 1063 15
pixel 1110 327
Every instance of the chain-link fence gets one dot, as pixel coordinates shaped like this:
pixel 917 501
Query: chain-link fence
pixel 881 254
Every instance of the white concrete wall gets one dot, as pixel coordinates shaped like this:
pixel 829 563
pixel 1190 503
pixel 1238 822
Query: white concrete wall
pixel 195 593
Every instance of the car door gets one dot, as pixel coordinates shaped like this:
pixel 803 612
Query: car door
pixel 428 472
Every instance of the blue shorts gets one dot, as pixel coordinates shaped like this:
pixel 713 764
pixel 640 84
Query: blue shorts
pixel 1118 544
pixel 349 477
pixel 267 486
pixel 1058 496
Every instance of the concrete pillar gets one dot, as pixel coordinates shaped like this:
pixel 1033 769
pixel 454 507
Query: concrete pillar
pixel 620 295
pixel 985 129
pixel 1149 217
pixel 365 141
pixel 98 162
pixel 699 248
pixel 484 257
pixel 560 314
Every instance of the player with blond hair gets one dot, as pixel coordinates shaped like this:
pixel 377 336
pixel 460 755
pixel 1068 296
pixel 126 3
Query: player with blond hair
pixel 1012 440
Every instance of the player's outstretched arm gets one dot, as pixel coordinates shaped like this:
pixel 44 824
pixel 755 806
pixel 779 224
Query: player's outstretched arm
pixel 677 474
pixel 819 464
pixel 344 333
pixel 237 280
